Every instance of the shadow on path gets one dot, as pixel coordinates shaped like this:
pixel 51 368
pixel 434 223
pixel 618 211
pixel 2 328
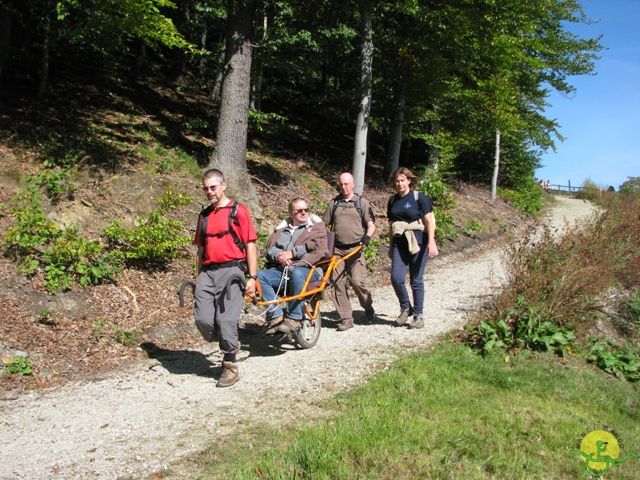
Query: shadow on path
pixel 182 362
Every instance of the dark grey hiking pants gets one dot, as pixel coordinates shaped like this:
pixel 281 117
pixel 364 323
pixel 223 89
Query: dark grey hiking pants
pixel 218 311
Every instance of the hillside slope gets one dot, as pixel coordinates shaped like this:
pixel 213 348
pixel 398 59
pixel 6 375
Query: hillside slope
pixel 136 146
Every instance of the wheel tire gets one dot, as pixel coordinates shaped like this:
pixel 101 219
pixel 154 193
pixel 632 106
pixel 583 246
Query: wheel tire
pixel 309 333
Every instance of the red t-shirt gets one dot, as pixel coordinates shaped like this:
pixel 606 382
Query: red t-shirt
pixel 220 249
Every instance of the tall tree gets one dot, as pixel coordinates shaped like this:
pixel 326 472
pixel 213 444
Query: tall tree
pixel 230 151
pixel 6 21
pixel 395 136
pixel 183 22
pixel 366 75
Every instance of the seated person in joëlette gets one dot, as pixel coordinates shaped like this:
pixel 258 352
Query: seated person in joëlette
pixel 297 243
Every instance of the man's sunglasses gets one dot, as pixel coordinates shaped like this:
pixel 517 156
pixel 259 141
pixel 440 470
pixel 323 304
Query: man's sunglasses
pixel 301 210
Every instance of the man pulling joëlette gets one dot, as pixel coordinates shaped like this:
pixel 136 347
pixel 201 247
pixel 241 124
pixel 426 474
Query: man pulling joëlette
pixel 226 240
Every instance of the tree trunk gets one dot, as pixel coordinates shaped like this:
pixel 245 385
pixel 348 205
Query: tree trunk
pixel 203 45
pixel 6 18
pixel 256 90
pixel 496 166
pixel 183 20
pixel 324 82
pixel 366 74
pixel 141 59
pixel 433 155
pixel 43 74
pixel 229 154
pixel 395 137
pixel 216 89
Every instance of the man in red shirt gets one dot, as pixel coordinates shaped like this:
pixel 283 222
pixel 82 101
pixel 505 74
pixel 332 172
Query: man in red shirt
pixel 226 240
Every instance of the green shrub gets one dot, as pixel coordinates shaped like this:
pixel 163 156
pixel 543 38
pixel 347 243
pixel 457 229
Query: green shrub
pixel 55 183
pixel 155 241
pixel 432 184
pixel 527 199
pixel 272 124
pixel 99 328
pixel 590 191
pixel 172 200
pixel 371 252
pixel 624 363
pixel 31 229
pixel 72 258
pixel 445 227
pixel 632 307
pixel 522 327
pixel 19 365
pixel 472 228
pixel 105 329
pixel 47 316
pixel 166 160
pixel 126 338
pixel 65 257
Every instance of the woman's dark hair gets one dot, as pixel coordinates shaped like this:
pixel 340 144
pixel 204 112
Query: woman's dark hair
pixel 403 171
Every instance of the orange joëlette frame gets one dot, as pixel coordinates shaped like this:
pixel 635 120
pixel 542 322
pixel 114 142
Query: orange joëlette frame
pixel 332 263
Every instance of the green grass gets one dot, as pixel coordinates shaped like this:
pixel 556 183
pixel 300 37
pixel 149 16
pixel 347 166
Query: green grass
pixel 162 160
pixel 448 413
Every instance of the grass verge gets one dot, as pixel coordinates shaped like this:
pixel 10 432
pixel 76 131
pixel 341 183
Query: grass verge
pixel 448 413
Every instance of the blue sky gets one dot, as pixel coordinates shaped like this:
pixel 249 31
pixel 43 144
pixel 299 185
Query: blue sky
pixel 601 120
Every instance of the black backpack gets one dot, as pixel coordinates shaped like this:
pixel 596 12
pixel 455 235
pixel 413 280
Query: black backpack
pixel 232 220
pixel 357 205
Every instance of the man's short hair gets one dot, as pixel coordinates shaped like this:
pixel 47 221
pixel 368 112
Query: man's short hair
pixel 213 172
pixel 296 200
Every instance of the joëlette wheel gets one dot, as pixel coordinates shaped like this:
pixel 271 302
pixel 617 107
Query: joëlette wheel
pixel 309 332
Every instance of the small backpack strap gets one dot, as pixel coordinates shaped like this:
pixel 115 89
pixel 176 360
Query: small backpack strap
pixel 233 219
pixel 204 220
pixel 334 207
pixel 357 204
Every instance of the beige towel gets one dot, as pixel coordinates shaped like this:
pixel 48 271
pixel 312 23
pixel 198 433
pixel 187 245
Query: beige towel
pixel 405 228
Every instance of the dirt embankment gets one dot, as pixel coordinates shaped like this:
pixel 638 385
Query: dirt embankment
pixel 140 419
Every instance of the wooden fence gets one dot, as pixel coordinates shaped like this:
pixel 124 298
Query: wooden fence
pixel 564 189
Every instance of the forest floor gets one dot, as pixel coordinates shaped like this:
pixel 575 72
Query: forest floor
pixel 161 405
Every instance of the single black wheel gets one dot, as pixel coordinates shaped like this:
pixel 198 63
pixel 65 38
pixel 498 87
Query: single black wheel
pixel 309 333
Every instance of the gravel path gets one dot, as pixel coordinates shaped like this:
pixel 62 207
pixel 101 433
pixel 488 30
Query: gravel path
pixel 135 422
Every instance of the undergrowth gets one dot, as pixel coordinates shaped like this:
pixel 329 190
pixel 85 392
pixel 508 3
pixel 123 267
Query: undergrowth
pixel 528 198
pixel 556 286
pixel 432 183
pixel 65 257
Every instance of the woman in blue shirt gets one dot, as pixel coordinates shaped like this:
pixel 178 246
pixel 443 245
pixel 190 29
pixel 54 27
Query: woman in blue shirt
pixel 412 242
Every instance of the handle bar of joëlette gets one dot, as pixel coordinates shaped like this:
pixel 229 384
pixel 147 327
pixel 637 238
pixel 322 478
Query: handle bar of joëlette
pixel 329 266
pixel 235 278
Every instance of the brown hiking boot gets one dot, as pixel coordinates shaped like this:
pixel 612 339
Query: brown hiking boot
pixel 230 374
pixel 418 322
pixel 273 323
pixel 288 326
pixel 402 318
pixel 346 324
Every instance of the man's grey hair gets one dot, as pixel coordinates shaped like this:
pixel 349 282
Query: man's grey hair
pixel 296 200
pixel 213 173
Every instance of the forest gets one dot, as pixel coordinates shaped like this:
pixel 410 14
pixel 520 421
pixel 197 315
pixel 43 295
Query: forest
pixel 457 87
